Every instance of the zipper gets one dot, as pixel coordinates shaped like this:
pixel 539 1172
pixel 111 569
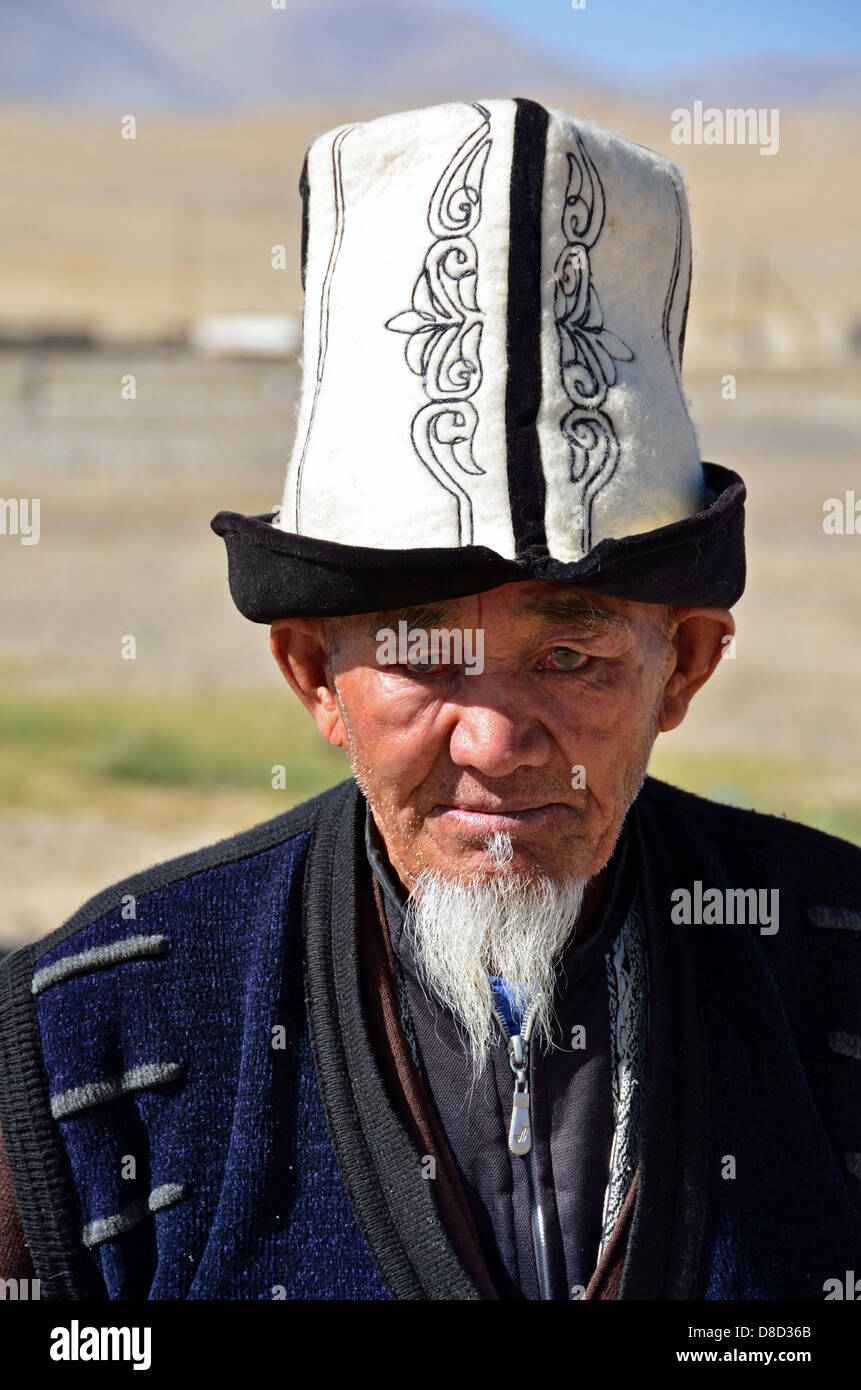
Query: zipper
pixel 520 1136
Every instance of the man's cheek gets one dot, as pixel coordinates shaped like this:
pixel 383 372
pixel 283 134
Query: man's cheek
pixel 397 703
pixel 401 742
pixel 403 754
pixel 601 759
pixel 592 727
pixel 620 712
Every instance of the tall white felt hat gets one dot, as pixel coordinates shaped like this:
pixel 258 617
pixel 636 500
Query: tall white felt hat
pixel 495 306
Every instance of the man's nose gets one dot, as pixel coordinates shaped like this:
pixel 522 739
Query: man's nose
pixel 497 737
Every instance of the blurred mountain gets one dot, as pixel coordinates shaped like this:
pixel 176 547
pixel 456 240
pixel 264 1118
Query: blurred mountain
pixel 767 80
pixel 199 55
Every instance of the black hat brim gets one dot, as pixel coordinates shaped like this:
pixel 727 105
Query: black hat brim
pixel 699 561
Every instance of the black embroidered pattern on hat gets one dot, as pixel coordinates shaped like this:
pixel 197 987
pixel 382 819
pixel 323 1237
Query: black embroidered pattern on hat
pixel 588 351
pixel 445 323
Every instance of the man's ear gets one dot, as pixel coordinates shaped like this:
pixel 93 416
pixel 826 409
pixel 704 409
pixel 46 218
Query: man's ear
pixel 300 647
pixel 698 643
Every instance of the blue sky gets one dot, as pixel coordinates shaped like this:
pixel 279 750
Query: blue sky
pixel 645 36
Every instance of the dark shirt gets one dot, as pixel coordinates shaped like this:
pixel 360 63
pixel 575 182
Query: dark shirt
pixel 572 1106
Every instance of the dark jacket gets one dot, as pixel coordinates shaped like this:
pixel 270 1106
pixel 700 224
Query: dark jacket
pixel 192 1106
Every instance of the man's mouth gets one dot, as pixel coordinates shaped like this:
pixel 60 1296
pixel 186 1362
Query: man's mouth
pixel 481 820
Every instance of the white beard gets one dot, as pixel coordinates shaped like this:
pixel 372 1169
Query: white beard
pixel 504 924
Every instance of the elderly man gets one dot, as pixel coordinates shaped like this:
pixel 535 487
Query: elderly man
pixel 499 1017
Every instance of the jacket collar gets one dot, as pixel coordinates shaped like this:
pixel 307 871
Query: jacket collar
pixel 380 1167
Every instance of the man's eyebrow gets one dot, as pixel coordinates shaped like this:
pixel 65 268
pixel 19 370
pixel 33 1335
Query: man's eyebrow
pixel 423 615
pixel 573 612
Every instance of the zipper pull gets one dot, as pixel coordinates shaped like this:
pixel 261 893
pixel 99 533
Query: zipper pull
pixel 520 1129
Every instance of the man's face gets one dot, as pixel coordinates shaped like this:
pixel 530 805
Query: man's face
pixel 549 741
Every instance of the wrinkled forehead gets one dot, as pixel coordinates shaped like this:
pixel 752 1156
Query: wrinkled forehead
pixel 532 601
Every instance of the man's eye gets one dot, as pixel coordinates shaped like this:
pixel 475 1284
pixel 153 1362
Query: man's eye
pixel 566 658
pixel 424 668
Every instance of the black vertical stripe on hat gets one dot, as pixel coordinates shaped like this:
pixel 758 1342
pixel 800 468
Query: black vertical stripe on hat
pixel 303 192
pixel 526 489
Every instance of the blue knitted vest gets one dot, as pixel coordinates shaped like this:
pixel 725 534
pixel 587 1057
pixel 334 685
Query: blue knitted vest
pixel 235 1146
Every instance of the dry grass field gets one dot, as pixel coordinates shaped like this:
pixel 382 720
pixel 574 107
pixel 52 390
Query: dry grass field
pixel 136 236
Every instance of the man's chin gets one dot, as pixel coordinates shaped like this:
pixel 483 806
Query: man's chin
pixel 475 860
